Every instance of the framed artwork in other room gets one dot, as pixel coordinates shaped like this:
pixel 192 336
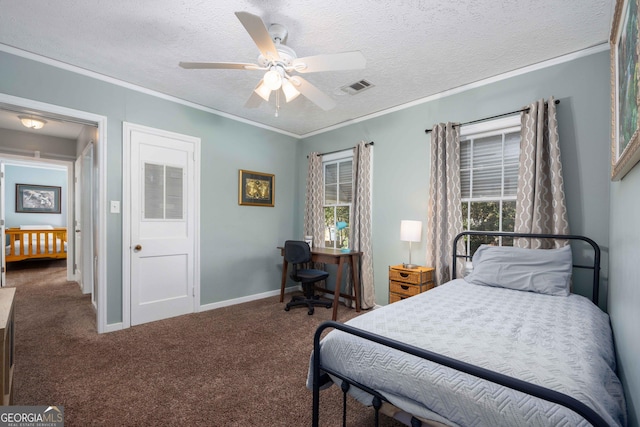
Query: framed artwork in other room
pixel 37 199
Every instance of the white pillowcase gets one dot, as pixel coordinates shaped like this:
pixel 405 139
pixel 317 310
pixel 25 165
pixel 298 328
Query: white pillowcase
pixel 545 271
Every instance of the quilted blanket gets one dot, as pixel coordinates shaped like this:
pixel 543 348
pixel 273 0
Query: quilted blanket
pixel 562 343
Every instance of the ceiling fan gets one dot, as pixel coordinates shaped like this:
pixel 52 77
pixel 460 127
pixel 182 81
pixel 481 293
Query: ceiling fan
pixel 280 63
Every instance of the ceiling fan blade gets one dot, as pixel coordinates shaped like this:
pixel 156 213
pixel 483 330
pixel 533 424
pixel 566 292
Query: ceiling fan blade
pixel 312 93
pixel 259 33
pixel 331 62
pixel 254 101
pixel 219 65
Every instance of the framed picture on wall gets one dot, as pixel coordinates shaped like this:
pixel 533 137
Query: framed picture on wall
pixel 37 199
pixel 256 188
pixel 625 92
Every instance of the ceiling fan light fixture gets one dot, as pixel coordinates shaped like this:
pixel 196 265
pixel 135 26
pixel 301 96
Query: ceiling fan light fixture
pixel 290 92
pixel 263 91
pixel 273 79
pixel 32 123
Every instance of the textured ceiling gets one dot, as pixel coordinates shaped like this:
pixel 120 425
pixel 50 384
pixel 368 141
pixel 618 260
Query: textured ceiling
pixel 413 48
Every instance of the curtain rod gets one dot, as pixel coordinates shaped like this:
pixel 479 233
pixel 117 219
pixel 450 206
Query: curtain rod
pixel 557 101
pixel 344 149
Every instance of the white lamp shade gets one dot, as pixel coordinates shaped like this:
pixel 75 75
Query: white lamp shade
pixel 263 91
pixel 290 92
pixel 410 231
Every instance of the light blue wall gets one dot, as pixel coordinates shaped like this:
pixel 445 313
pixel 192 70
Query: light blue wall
pixel 18 174
pixel 401 153
pixel 607 212
pixel 624 295
pixel 238 243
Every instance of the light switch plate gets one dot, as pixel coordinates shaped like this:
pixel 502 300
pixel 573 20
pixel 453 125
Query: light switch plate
pixel 115 206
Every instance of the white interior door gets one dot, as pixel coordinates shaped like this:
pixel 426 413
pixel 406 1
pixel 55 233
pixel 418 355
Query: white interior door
pixel 77 222
pixel 162 226
pixel 86 220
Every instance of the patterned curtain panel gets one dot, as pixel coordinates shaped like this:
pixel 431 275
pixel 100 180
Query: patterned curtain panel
pixel 361 221
pixel 540 205
pixel 444 219
pixel 313 212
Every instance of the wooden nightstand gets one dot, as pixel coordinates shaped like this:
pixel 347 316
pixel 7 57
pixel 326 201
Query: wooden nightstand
pixel 407 282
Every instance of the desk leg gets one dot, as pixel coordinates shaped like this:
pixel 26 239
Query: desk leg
pixel 355 275
pixel 285 265
pixel 336 293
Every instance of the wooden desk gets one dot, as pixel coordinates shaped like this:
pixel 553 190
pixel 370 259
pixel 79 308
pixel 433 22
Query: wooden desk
pixel 331 256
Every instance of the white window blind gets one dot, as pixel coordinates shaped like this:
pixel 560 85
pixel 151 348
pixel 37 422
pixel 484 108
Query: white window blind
pixel 489 166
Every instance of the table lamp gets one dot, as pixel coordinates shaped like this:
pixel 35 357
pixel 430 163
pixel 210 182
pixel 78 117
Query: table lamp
pixel 341 225
pixel 410 231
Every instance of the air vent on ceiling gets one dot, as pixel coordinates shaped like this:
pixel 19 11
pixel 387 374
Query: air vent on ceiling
pixel 357 87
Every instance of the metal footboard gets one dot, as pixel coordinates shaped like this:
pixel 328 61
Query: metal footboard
pixel 320 372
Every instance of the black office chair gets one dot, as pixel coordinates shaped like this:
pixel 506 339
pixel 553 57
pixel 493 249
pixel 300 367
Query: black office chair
pixel 297 253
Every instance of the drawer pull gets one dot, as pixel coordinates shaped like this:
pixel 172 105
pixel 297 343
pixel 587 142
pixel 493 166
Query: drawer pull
pixel 405 287
pixel 404 274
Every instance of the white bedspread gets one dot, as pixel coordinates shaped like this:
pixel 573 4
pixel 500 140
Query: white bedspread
pixel 562 343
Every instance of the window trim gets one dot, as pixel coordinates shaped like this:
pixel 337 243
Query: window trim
pixel 339 155
pixel 494 127
pixel 335 158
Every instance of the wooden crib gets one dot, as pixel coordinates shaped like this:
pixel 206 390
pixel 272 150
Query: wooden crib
pixel 48 243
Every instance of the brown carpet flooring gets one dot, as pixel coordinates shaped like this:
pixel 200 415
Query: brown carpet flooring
pixel 241 365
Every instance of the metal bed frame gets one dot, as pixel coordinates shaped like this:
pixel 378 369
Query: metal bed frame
pixel 321 373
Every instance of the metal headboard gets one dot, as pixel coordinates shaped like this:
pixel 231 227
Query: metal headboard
pixel 595 266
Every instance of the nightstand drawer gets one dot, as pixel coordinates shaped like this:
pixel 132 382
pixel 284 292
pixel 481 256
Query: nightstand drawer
pixel 395 298
pixel 408 289
pixel 416 276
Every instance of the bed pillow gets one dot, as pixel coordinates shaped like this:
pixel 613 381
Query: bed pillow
pixel 36 227
pixel 545 271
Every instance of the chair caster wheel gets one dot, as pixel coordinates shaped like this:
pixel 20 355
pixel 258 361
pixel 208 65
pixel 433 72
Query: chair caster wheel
pixel 287 308
pixel 310 312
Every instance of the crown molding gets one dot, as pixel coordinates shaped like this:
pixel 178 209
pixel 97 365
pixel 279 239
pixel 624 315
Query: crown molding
pixel 524 70
pixel 504 76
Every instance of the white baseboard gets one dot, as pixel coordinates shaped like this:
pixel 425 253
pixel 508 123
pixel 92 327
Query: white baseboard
pixel 214 305
pixel 113 327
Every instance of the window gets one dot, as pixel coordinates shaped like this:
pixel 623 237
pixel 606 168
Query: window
pixel 489 160
pixel 163 192
pixel 338 194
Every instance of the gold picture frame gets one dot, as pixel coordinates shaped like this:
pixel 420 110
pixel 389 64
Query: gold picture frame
pixel 256 188
pixel 625 89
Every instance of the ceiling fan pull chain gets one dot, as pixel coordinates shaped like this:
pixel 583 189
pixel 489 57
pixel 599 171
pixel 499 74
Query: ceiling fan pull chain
pixel 277 101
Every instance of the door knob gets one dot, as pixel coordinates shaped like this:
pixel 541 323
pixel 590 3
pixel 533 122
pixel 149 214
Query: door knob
pixel 138 248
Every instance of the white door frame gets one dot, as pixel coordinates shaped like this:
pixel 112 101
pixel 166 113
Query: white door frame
pixel 17 160
pixel 127 128
pixel 101 121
